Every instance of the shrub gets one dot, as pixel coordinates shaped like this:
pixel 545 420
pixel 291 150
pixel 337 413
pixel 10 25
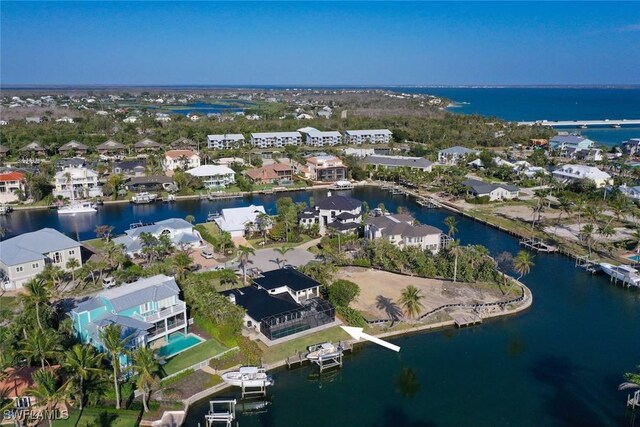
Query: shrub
pixel 176 378
pixel 342 292
pixel 361 262
pixel 351 316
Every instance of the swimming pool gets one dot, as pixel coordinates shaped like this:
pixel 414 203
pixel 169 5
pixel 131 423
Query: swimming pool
pixel 177 343
pixel 635 258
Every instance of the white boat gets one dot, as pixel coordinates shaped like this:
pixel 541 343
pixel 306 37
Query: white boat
pixel 144 198
pixel 4 209
pixel 323 351
pixel 248 376
pixel 342 185
pixel 624 273
pixel 77 208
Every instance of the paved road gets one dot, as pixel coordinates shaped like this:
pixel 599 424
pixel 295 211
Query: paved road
pixel 267 259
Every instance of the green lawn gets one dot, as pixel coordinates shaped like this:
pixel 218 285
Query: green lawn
pixel 284 350
pixel 100 416
pixel 256 243
pixel 192 356
pixel 211 227
pixel 97 244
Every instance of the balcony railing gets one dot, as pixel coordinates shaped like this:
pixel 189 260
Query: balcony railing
pixel 154 317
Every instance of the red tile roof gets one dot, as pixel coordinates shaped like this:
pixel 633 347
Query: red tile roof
pixel 11 176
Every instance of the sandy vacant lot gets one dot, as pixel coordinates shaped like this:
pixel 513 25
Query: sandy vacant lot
pixel 524 213
pixel 571 232
pixel 380 291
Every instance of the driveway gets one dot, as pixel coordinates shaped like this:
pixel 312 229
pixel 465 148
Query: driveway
pixel 266 259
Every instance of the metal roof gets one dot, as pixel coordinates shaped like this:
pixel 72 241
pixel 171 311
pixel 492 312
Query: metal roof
pixel 153 288
pixel 403 161
pixel 32 246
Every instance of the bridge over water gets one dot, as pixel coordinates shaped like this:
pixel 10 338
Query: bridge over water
pixel 583 123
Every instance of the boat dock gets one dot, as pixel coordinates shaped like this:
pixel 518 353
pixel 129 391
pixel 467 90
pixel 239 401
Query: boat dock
pixel 226 414
pixel 323 363
pixel 465 319
pixel 221 195
pixel 587 263
pixel 633 400
pixel 538 245
pixel 427 202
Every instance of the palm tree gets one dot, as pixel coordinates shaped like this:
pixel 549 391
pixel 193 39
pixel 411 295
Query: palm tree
pixel 587 233
pixel 47 391
pixel 566 206
pixel 146 369
pixel 451 223
pixel 41 345
pixel 632 380
pixel 522 263
pixel 72 264
pixel 81 363
pixel 263 221
pixel 111 337
pixel 283 251
pixel 181 263
pixel 245 251
pixel 104 232
pixel 190 219
pixel 411 300
pixel 456 250
pixel 228 277
pixel 38 293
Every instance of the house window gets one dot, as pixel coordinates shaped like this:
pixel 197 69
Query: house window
pixel 57 258
pixel 72 252
pixel 19 269
pixel 23 402
pixel 34 265
pixel 146 307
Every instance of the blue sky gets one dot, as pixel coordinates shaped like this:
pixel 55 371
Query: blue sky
pixel 326 43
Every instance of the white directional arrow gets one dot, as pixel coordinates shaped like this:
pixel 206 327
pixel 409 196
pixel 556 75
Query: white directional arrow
pixel 356 334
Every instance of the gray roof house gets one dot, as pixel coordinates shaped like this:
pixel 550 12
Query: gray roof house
pixel 451 156
pixel 111 147
pixel 402 231
pixel 146 145
pixel 73 146
pixel 341 213
pixel 34 147
pixel 495 192
pixel 392 162
pixel 23 257
pixel 147 310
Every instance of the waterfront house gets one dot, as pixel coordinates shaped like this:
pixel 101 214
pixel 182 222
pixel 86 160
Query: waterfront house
pixel 452 155
pixel 23 257
pixel 83 182
pixel 572 142
pixel 130 168
pixel 572 173
pixel 271 174
pixel 341 213
pixel 148 311
pixel 398 162
pixel 282 303
pixel 236 221
pixel 214 176
pixel 12 183
pixel 369 136
pixel 275 139
pixel 181 159
pixel 181 234
pixel 4 151
pixel 73 147
pixel 146 145
pixel 150 183
pixel 630 192
pixel 111 148
pixel 631 147
pixel 403 232
pixel 326 168
pixel 494 191
pixel 225 141
pixel 33 149
pixel 317 138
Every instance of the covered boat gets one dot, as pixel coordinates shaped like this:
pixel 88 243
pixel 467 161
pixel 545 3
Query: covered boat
pixel 323 351
pixel 248 376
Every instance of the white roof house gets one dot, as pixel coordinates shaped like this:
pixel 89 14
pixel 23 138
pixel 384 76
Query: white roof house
pixel 572 172
pixel 450 156
pixel 225 141
pixel 214 175
pixel 630 192
pixel 275 139
pixel 235 220
pixel 180 232
pixel 83 181
pixel 318 138
pixel 368 136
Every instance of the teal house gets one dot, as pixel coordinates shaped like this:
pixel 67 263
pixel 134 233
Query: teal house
pixel 149 311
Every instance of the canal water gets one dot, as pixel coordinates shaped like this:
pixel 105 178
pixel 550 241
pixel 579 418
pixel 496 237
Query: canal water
pixel 557 364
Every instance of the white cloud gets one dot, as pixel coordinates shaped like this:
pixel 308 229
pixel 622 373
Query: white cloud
pixel 629 28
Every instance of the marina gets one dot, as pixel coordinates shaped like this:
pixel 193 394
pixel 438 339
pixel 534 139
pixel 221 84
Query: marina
pixel 538 245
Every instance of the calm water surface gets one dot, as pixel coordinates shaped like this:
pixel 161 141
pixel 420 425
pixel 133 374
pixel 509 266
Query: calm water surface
pixel 558 364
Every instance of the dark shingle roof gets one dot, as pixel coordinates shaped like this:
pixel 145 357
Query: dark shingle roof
pixel 481 187
pixel 340 203
pixel 288 277
pixel 259 304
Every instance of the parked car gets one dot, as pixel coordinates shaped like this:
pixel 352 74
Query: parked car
pixel 218 268
pixel 289 266
pixel 207 253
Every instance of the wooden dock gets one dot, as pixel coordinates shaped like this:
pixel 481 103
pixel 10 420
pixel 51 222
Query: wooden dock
pixel 538 245
pixel 466 319
pixel 587 263
pixel 633 400
pixel 222 195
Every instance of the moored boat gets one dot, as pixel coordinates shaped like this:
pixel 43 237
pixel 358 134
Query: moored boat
pixel 324 351
pixel 144 198
pixel 342 185
pixel 78 208
pixel 624 273
pixel 248 376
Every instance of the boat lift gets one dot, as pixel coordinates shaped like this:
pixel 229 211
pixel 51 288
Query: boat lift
pixel 226 415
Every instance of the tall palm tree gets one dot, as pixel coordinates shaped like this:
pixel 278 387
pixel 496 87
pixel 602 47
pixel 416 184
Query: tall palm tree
pixel 111 337
pixel 566 207
pixel 587 234
pixel 283 252
pixel 228 277
pixel 451 223
pixel 82 362
pixel 245 252
pixel 72 265
pixel 632 380
pixel 263 221
pixel 522 263
pixel 411 300
pixel 456 250
pixel 41 345
pixel 146 369
pixel 38 294
pixel 181 263
pixel 48 391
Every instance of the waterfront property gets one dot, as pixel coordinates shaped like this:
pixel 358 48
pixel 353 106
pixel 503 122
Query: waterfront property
pixel 282 302
pixel 631 146
pixel 149 183
pixel 398 162
pixel 452 155
pixel 275 139
pixel 23 257
pixel 130 168
pixel 11 185
pixel 403 232
pixel 570 142
pixel 271 174
pixel 73 147
pixel 181 233
pixel 236 221
pixel 214 176
pixel 148 311
pixel 342 213
pixel 225 141
pixel 78 183
pixel 317 138
pixel 326 168
pixel 181 159
pixel 369 136
pixel 572 172
pixel 493 191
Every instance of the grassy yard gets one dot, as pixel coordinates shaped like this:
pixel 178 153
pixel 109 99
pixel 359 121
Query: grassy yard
pixel 211 227
pixel 100 416
pixel 194 355
pixel 284 350
pixel 97 244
